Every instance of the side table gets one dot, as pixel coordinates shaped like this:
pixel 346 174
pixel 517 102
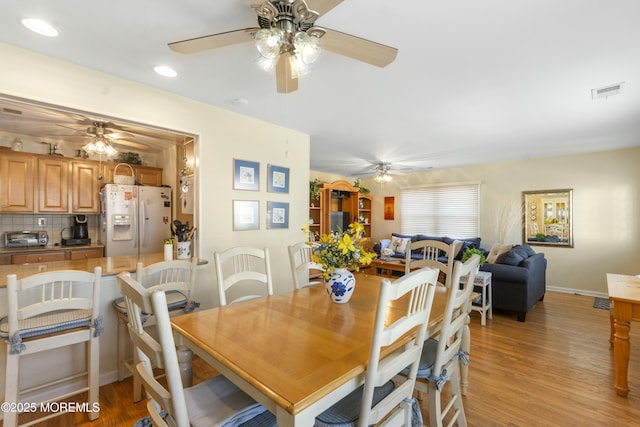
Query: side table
pixel 482 284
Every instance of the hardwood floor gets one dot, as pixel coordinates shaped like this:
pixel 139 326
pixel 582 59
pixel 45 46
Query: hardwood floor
pixel 556 369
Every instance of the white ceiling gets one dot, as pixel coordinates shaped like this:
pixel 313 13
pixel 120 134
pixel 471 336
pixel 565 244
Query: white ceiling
pixel 473 82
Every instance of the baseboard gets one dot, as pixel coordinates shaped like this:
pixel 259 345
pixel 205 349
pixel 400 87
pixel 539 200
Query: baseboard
pixel 578 292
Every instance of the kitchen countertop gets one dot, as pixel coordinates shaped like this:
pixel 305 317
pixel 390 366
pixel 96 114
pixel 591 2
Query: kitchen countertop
pixel 110 265
pixel 5 250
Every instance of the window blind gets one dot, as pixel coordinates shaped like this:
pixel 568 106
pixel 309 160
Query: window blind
pixel 444 210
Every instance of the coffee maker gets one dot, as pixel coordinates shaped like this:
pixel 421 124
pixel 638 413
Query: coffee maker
pixel 80 232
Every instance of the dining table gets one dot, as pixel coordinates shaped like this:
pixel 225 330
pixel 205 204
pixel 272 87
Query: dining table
pixel 295 353
pixel 624 293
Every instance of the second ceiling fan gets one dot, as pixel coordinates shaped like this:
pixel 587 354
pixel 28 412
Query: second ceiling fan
pixel 288 39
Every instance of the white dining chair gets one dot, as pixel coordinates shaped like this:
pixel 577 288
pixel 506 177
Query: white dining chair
pixel 48 311
pixel 433 254
pixel 380 397
pixel 243 267
pixel 441 356
pixel 213 402
pixel 177 278
pixel 304 270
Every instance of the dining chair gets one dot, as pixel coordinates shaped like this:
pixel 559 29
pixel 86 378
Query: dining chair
pixel 48 311
pixel 177 278
pixel 303 269
pixel 435 254
pixel 212 402
pixel 441 356
pixel 244 266
pixel 380 397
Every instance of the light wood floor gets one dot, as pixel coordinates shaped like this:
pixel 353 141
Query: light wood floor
pixel 556 369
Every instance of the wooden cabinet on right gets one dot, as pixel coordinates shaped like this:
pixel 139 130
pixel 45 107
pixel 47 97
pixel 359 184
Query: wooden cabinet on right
pixel 86 253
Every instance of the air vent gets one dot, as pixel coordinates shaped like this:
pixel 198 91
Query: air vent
pixel 607 91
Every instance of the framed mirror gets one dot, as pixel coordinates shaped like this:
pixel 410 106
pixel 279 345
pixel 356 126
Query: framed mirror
pixel 548 217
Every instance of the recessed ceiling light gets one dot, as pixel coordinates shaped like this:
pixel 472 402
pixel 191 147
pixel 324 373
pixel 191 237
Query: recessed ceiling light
pixel 163 70
pixel 39 26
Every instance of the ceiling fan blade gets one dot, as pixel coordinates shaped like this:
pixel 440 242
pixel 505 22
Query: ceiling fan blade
pixel 213 41
pixel 285 81
pixel 357 48
pixel 129 144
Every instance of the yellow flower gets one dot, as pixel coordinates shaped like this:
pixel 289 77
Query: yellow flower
pixel 356 229
pixel 346 244
pixel 305 228
pixel 366 257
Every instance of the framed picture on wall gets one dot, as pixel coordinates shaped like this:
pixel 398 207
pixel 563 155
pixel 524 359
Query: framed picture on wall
pixel 278 180
pixel 246 175
pixel 389 207
pixel 277 215
pixel 246 215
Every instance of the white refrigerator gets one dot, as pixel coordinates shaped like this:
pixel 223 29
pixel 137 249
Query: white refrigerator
pixel 134 219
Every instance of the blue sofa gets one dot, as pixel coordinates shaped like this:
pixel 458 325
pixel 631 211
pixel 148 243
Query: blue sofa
pixel 466 243
pixel 518 280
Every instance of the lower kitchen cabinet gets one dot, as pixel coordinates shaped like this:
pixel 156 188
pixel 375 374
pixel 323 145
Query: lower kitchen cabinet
pixel 65 254
pixel 38 257
pixel 86 253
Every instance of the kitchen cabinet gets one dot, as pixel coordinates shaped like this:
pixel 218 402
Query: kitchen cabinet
pixel 53 184
pixel 85 190
pixel 20 256
pixel 144 175
pixel 17 182
pixel 86 253
pixel 38 257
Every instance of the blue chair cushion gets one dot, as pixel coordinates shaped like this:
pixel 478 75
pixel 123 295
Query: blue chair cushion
pixel 175 300
pixel 346 412
pixel 49 323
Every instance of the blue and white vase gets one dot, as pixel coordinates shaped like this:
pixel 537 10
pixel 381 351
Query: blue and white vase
pixel 340 285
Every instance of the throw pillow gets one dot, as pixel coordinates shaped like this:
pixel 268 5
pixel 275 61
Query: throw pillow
pixel 399 245
pixel 513 257
pixel 496 250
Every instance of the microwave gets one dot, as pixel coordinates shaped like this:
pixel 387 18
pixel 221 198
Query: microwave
pixel 23 239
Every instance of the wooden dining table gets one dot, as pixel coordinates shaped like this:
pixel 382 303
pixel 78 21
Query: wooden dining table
pixel 624 293
pixel 295 353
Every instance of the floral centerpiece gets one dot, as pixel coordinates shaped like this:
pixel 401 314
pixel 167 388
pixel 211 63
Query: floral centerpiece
pixel 343 249
pixel 338 252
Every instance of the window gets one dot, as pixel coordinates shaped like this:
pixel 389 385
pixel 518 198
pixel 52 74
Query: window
pixel 441 210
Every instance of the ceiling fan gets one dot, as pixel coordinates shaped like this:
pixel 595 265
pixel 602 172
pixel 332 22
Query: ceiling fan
pixel 288 39
pixel 383 171
pixel 103 134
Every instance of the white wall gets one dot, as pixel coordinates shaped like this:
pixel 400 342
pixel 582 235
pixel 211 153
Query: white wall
pixel 223 136
pixel 606 202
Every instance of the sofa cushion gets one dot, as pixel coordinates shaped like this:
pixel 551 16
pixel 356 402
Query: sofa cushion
pixel 496 250
pixel 399 244
pixel 473 243
pixel 412 237
pixel 513 257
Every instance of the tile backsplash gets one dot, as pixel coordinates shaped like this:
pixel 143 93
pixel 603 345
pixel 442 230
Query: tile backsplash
pixel 57 226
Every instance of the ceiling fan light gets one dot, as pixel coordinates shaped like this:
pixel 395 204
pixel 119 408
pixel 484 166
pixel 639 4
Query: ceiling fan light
pixel 268 42
pixel 307 47
pixel 382 177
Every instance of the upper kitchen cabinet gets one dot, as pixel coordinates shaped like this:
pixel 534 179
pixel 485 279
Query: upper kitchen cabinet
pixel 16 182
pixel 144 175
pixel 85 191
pixel 53 184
